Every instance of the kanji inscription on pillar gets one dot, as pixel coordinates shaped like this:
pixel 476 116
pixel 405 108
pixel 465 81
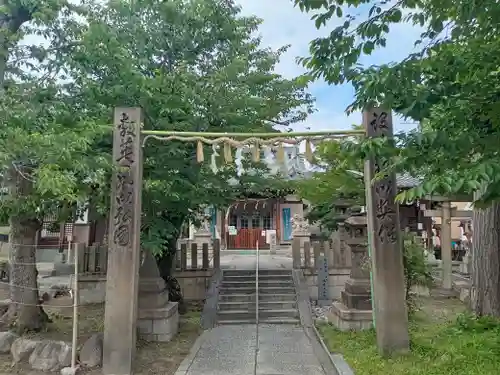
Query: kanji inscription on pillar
pixel 323 284
pixel 384 240
pixel 124 183
pixel 124 256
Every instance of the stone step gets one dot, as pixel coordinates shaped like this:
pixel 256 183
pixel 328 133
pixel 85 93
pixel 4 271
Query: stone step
pixel 262 290
pixel 234 297
pixel 264 314
pixel 250 284
pixel 263 305
pixel 261 321
pixel 262 272
pixel 261 277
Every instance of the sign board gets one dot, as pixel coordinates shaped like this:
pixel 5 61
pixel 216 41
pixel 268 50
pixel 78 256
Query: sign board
pixel 323 284
pixel 269 233
pixel 263 233
pixel 232 230
pixel 272 242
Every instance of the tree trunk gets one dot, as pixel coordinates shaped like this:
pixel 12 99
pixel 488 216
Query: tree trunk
pixel 25 312
pixel 485 291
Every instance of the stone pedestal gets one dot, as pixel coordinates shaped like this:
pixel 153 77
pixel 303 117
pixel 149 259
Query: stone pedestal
pixel 158 318
pixel 202 236
pixel 302 237
pixel 300 229
pixel 354 311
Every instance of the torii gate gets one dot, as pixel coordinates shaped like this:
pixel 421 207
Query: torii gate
pixel 125 222
pixel 447 214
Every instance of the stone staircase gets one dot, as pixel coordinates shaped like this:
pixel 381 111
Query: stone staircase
pixel 277 297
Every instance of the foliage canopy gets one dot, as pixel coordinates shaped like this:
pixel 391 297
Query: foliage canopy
pixel 450 85
pixel 191 65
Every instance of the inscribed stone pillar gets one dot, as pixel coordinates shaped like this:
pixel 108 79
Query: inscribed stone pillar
pixel 357 288
pixel 120 321
pixel 446 255
pixel 391 319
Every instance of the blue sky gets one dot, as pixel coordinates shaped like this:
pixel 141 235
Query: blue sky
pixel 284 24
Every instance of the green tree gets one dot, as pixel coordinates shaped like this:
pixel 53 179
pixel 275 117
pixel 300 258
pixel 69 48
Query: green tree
pixel 450 85
pixel 192 65
pixel 338 184
pixel 45 150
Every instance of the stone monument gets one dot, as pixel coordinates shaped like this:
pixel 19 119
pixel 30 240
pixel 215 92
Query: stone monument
pixel 354 312
pixel 323 281
pixel 273 242
pixel 158 317
pixel 120 320
pixel 388 288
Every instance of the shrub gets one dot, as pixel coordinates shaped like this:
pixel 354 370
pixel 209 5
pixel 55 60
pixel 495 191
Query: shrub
pixel 416 269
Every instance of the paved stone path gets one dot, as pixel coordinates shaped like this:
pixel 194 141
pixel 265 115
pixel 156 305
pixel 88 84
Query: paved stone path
pixel 251 350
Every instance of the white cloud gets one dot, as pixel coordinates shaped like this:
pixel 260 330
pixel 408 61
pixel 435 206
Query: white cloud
pixel 283 24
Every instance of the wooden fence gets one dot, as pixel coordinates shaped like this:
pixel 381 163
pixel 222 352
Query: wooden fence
pixel 92 259
pixel 206 256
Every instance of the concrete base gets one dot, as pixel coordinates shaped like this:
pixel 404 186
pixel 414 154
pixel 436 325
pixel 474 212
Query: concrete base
pixel 346 319
pixel 356 301
pixel 159 325
pixel 336 280
pixel 62 269
pixel 444 293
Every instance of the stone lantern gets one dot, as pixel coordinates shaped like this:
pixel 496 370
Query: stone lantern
pixel 357 288
pixel 354 311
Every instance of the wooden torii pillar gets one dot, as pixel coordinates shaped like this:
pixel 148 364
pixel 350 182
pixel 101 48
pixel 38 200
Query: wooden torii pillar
pixel 447 214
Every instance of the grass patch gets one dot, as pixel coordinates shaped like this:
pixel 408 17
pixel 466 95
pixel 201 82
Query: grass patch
pixel 444 341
